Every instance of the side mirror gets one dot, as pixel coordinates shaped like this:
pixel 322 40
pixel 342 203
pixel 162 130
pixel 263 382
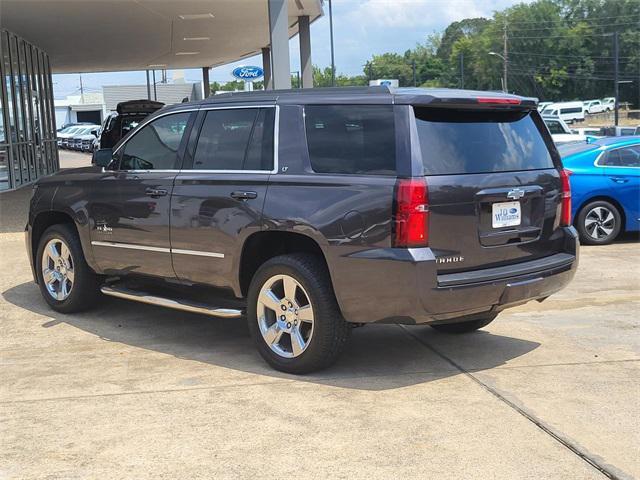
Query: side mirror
pixel 94 132
pixel 103 157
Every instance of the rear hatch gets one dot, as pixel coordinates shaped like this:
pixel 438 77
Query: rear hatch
pixel 138 107
pixel 494 186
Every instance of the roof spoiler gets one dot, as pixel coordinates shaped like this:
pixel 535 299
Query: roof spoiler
pixel 488 101
pixel 138 106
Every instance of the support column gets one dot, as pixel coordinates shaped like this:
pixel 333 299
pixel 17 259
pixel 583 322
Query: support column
pixel 279 33
pixel 305 51
pixel 266 66
pixel 148 87
pixel 206 87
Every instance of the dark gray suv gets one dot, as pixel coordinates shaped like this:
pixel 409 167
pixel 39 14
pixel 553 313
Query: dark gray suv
pixel 313 211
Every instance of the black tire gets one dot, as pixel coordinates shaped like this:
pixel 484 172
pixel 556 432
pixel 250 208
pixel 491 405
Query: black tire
pixel 330 331
pixel 465 326
pixel 84 290
pixel 594 210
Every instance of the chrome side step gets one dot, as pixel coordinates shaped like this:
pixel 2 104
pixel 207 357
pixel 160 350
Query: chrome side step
pixel 142 297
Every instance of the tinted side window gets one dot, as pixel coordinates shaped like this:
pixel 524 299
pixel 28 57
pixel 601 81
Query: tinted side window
pixel 352 139
pixel 554 127
pixel 236 139
pixel 260 151
pixel 622 157
pixel 155 146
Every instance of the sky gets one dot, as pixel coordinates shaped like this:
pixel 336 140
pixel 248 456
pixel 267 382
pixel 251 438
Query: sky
pixel 362 28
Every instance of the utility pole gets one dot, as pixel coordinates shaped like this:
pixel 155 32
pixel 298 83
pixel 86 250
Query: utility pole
pixel 148 87
pixel 413 66
pixel 333 61
pixel 505 54
pixel 616 74
pixel 81 90
pixel 461 69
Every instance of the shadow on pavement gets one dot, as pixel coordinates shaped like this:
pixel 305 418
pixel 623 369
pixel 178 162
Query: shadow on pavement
pixel 14 209
pixel 628 237
pixel 379 357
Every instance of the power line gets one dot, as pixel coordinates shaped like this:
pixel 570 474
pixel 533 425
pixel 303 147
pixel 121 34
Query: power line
pixel 601 67
pixel 562 55
pixel 599 72
pixel 547 37
pixel 531 75
pixel 580 76
pixel 569 19
pixel 591 25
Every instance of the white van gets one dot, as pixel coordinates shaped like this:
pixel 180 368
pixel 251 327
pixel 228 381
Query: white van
pixel 568 111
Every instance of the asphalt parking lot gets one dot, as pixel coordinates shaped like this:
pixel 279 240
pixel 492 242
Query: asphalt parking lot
pixel 548 390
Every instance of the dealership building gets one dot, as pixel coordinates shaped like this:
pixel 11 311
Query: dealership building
pixel 41 37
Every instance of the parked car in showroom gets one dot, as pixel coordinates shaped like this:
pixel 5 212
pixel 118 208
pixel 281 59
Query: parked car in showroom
pixel 119 123
pixel 311 211
pixel 605 187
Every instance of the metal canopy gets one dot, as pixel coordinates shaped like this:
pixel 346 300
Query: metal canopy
pixel 117 35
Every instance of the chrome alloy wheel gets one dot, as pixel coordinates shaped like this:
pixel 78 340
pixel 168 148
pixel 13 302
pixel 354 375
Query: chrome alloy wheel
pixel 57 269
pixel 285 316
pixel 599 223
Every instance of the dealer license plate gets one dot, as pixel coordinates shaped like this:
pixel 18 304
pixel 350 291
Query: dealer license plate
pixel 506 214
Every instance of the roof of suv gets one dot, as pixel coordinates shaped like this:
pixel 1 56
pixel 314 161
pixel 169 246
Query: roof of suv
pixel 370 95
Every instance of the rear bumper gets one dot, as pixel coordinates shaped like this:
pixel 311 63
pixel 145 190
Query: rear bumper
pixel 402 286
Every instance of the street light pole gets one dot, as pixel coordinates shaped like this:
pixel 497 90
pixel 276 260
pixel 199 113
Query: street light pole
pixel 333 62
pixel 504 70
pixel 616 74
pixel 505 57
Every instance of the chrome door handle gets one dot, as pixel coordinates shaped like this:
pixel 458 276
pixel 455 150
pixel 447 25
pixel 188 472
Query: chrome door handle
pixel 619 179
pixel 244 195
pixel 155 192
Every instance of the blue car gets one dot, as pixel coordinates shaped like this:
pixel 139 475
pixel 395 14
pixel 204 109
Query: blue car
pixel 605 187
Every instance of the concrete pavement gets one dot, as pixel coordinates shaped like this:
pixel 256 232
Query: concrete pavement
pixel 132 391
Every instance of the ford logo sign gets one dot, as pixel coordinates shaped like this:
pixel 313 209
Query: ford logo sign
pixel 513 210
pixel 248 74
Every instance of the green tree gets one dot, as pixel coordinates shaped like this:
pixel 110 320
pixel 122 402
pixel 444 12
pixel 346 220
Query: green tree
pixel 392 66
pixel 322 78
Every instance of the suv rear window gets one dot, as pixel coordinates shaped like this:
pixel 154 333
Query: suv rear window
pixel 351 139
pixel 459 142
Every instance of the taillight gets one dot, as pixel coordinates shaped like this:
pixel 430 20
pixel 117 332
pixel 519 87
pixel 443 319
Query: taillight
pixel 411 213
pixel 565 216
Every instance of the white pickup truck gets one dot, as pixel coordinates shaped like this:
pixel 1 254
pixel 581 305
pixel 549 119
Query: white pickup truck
pixel 593 106
pixel 560 132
